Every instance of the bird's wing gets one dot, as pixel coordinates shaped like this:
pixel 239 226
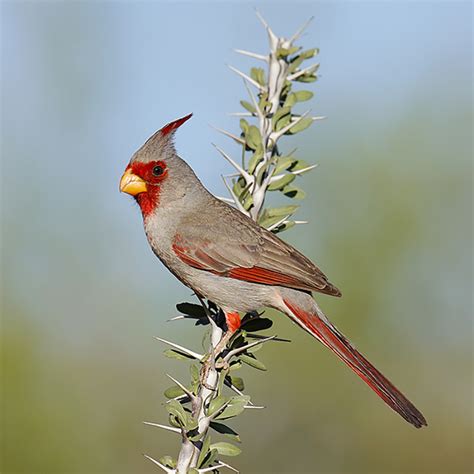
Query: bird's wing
pixel 238 248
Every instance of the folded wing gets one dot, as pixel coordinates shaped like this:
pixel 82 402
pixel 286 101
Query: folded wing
pixel 249 253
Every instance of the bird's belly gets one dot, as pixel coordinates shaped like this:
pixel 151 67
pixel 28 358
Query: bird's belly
pixel 229 293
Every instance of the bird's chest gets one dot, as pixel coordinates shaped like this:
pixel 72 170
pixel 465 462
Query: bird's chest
pixel 160 230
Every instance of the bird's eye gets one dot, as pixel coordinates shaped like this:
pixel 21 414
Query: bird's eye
pixel 158 170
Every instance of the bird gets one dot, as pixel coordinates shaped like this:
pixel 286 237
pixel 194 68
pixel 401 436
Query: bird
pixel 227 258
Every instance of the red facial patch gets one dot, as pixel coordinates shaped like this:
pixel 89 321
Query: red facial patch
pixel 153 173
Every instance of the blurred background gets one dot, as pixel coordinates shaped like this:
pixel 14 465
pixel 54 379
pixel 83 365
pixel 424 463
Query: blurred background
pixel 85 83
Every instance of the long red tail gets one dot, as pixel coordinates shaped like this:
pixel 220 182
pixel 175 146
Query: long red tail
pixel 325 332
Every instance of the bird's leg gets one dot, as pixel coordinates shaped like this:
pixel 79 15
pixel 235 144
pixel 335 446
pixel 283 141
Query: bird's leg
pixel 233 324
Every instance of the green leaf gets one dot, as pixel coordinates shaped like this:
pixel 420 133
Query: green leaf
pixel 252 362
pixel 281 112
pixel 307 78
pixel 244 125
pixel 290 100
pixel 194 371
pixel 257 324
pixel 235 365
pixel 192 470
pixel 192 310
pixel 176 409
pixel 285 52
pixel 225 430
pixel 309 53
pixel 210 458
pixel 263 102
pixel 283 227
pixel 258 74
pixel 295 63
pixel 283 163
pixel 270 217
pixel 237 382
pixel 239 187
pixel 299 165
pixel 282 211
pixel 175 354
pixel 255 159
pixel 247 202
pixel 248 106
pixel 293 192
pixel 253 137
pixel 174 422
pixel 226 449
pixel 301 125
pixel 204 450
pixel 302 96
pixel 192 424
pixel 174 392
pixel 282 182
pixel 168 461
pixel 216 404
pixel 234 408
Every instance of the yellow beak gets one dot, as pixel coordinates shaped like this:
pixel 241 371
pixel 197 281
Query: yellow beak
pixel 132 184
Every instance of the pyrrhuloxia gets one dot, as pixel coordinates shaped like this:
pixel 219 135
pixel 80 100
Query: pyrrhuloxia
pixel 224 256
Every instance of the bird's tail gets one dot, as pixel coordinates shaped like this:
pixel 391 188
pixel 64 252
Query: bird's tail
pixel 316 323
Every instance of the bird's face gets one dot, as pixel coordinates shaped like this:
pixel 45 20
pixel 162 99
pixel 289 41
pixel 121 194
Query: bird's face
pixel 143 181
pixel 149 168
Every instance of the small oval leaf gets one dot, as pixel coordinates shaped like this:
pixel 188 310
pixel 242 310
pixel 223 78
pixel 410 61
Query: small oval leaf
pixel 226 449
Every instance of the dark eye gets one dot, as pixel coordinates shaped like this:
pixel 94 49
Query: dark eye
pixel 158 170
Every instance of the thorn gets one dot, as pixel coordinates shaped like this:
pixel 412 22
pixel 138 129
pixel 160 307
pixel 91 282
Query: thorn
pixel 230 135
pixel 304 170
pixel 252 55
pixel 256 407
pixel 236 199
pixel 276 178
pixel 228 200
pixel 290 125
pixel 240 114
pixel 165 427
pixel 301 30
pixel 246 347
pixel 193 354
pixel 182 387
pixel 254 100
pixel 176 318
pixel 281 221
pixel 301 72
pixel 247 78
pixel 272 36
pixel 229 467
pixel 158 463
pixel 212 468
pixel 244 173
pixel 178 398
pixel 322 117
pixel 300 222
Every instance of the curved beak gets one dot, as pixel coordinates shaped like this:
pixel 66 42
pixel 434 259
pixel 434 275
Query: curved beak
pixel 132 184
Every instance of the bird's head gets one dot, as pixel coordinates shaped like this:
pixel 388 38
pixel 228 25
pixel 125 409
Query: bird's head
pixel 149 168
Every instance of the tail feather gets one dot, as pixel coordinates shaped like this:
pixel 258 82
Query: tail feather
pixel 318 325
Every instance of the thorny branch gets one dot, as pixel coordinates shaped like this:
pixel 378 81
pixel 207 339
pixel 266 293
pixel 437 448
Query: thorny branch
pixel 194 409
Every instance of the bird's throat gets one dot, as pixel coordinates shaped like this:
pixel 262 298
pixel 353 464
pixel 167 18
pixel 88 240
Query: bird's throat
pixel 149 201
